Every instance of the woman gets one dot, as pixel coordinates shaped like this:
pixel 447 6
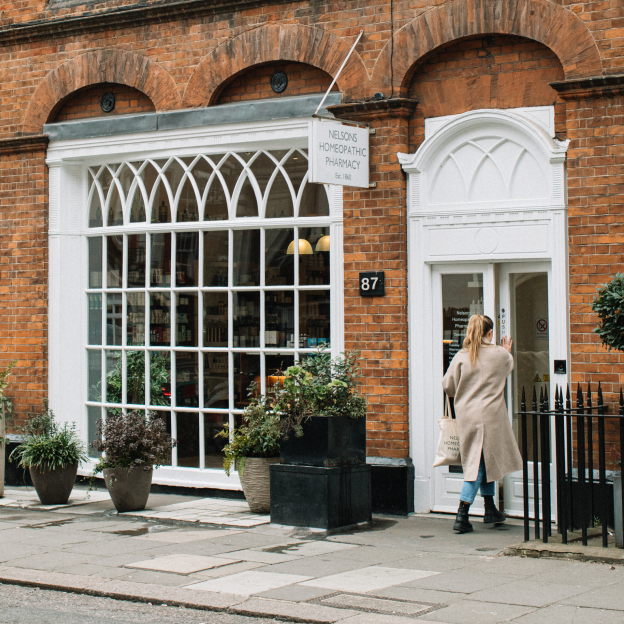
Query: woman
pixel 476 378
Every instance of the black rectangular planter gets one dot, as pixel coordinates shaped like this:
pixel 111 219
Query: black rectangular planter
pixel 327 442
pixel 320 497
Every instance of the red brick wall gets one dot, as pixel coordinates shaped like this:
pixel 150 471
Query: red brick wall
pixel 86 103
pixel 255 83
pixel 596 227
pixel 375 239
pixel 487 72
pixel 24 279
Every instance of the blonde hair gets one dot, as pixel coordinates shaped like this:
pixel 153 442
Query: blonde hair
pixel 478 328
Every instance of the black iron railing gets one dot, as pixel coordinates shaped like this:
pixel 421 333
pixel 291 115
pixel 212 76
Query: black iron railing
pixel 581 496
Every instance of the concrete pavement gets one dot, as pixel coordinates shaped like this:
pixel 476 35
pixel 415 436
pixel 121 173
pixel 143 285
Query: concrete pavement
pixel 397 571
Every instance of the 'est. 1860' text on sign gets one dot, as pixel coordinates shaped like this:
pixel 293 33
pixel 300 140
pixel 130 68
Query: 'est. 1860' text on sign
pixel 339 154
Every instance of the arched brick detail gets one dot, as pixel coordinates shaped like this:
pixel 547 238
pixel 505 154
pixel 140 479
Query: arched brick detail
pixel 282 42
pixel 114 66
pixel 557 28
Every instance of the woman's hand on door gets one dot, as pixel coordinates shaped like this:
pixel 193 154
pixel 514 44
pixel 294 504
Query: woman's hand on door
pixel 506 343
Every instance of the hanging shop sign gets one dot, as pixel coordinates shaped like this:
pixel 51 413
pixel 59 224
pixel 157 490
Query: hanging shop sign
pixel 339 154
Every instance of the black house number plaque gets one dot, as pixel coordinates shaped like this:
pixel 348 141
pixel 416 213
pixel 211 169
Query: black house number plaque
pixel 372 284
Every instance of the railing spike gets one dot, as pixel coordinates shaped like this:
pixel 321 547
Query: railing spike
pixel 534 399
pixel 541 394
pixel 600 400
pixel 568 396
pixel 579 396
pixel 546 401
pixel 621 403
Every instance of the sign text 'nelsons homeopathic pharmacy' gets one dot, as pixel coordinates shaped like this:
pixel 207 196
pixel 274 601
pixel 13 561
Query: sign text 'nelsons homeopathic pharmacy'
pixel 339 154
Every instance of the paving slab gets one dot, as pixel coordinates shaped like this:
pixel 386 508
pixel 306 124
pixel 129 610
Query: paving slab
pixel 259 556
pixel 529 593
pixel 370 603
pixel 49 561
pixel 315 566
pixel 151 577
pixel 293 611
pixel 607 597
pixel 182 537
pixel 413 593
pixel 49 580
pixel 474 612
pixel 368 579
pixel 565 614
pixel 181 564
pixel 158 594
pixel 459 581
pixel 295 593
pixel 376 618
pixel 226 570
pixel 313 549
pixel 248 583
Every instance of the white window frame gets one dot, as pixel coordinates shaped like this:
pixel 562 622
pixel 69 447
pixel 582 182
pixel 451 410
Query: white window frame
pixel 68 162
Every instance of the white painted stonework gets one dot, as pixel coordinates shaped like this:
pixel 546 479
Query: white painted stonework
pixel 485 187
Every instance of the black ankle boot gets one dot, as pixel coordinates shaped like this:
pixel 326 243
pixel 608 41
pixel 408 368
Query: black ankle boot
pixel 462 524
pixel 492 515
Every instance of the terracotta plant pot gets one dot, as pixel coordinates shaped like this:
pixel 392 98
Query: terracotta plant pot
pixel 129 489
pixel 54 486
pixel 256 482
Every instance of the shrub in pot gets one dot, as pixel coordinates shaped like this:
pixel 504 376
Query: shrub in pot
pixel 322 415
pixel 52 454
pixel 132 444
pixel 252 448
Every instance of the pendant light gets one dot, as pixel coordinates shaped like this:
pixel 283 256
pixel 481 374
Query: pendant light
pixel 304 247
pixel 323 243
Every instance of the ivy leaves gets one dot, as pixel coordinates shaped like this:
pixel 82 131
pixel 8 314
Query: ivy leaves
pixel 609 306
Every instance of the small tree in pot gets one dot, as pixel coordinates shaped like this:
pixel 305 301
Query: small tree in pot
pixel 5 413
pixel 252 448
pixel 132 444
pixel 52 454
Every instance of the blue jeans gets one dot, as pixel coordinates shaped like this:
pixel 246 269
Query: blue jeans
pixel 469 491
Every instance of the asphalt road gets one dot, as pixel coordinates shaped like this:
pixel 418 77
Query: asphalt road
pixel 25 605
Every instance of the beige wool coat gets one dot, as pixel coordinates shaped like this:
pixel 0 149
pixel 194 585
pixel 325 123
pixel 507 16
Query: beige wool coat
pixel 482 419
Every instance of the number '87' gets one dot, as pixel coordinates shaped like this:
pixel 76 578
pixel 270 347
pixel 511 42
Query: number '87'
pixel 369 283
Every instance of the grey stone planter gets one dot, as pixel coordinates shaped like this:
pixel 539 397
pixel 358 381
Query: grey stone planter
pixel 54 486
pixel 129 489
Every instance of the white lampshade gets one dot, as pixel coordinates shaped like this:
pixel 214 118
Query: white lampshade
pixel 304 247
pixel 323 243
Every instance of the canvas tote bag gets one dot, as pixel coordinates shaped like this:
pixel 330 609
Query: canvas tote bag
pixel 448 446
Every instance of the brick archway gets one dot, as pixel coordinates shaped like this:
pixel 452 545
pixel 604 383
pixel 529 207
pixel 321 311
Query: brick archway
pixel 557 28
pixel 287 42
pixel 114 66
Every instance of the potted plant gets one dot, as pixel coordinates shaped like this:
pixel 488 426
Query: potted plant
pixel 5 412
pixel 52 454
pixel 323 480
pixel 252 448
pixel 132 444
pixel 322 415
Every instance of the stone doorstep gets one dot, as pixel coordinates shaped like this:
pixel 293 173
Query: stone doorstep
pixel 175 596
pixel 574 552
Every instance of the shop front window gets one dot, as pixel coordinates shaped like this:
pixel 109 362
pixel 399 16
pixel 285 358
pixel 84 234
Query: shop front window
pixel 207 274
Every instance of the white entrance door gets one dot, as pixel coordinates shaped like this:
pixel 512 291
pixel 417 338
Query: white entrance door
pixel 518 296
pixel 526 300
pixel 459 291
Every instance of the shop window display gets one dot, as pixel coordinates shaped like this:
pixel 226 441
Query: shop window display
pixel 221 280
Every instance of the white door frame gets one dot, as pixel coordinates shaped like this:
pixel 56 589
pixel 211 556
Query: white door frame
pixel 523 219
